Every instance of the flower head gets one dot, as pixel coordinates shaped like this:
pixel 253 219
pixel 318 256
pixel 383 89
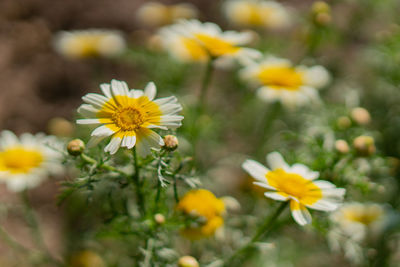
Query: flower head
pixel 89 43
pixel 296 184
pixel 202 204
pixel 281 81
pixel 129 116
pixel 191 40
pixel 28 160
pixel 157 14
pixel 253 13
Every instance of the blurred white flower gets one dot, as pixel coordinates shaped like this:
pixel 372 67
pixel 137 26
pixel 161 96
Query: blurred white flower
pixel 296 184
pixel 89 43
pixel 255 13
pixel 293 86
pixel 129 116
pixel 155 14
pixel 28 160
pixel 191 40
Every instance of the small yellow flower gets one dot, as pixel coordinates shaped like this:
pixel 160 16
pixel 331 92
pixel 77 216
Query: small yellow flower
pixel 191 40
pixel 89 43
pixel 295 184
pixel 204 205
pixel 254 13
pixel 129 116
pixel 155 14
pixel 281 81
pixel 26 161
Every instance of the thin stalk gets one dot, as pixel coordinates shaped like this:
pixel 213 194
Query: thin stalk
pixel 103 166
pixel 176 196
pixel 264 229
pixel 36 232
pixel 138 183
pixel 206 81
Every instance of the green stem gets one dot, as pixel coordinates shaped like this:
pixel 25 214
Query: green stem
pixel 263 230
pixel 206 81
pixel 103 166
pixel 176 196
pixel 36 232
pixel 138 183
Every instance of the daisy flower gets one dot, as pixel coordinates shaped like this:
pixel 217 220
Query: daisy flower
pixel 129 116
pixel 157 14
pixel 280 81
pixel 254 13
pixel 28 160
pixel 296 184
pixel 89 43
pixel 203 205
pixel 191 40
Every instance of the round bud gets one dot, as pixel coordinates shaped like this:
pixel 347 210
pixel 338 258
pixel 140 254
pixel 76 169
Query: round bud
pixel 323 18
pixel 159 218
pixel 342 146
pixel 361 116
pixel 75 147
pixel 86 258
pixel 364 145
pixel 320 7
pixel 188 261
pixel 170 142
pixel 343 122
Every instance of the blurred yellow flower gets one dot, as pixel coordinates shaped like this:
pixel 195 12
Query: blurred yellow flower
pixel 254 13
pixel 26 161
pixel 191 40
pixel 203 205
pixel 87 258
pixel 157 14
pixel 89 43
pixel 297 184
pixel 281 81
pixel 129 116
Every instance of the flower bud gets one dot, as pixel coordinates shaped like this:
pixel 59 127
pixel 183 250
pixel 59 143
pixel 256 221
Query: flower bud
pixel 60 127
pixel 320 7
pixel 343 122
pixel 75 147
pixel 159 218
pixel 170 142
pixel 86 258
pixel 323 18
pixel 188 261
pixel 364 145
pixel 342 146
pixel 361 116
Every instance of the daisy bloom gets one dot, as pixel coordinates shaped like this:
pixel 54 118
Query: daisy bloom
pixel 191 40
pixel 254 13
pixel 356 220
pixel 28 160
pixel 157 14
pixel 296 184
pixel 202 204
pixel 89 43
pixel 280 81
pixel 129 116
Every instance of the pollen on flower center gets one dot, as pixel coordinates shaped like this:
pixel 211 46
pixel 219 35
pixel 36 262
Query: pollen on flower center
pixel 216 46
pixel 128 118
pixel 20 160
pixel 292 184
pixel 281 77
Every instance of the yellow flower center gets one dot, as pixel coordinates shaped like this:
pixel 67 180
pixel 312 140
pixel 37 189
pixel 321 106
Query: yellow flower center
pixel 216 46
pixel 20 160
pixel 366 215
pixel 84 45
pixel 129 114
pixel 128 119
pixel 281 77
pixel 194 49
pixel 292 184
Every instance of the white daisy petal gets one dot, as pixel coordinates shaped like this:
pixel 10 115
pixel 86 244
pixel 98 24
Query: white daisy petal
pixel 276 161
pixel 300 213
pixel 113 146
pixel 150 91
pixel 276 196
pixel 256 170
pixel 102 131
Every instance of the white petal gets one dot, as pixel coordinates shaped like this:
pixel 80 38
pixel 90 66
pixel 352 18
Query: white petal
pixel 94 140
pixel 264 185
pixel 276 196
pixel 87 110
pixel 96 100
pixel 106 89
pixel 150 91
pixel 113 146
pixel 102 131
pixel 8 139
pixel 304 171
pixel 300 213
pixel 256 170
pixel 129 141
pixel 88 121
pixel 119 88
pixel 276 161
